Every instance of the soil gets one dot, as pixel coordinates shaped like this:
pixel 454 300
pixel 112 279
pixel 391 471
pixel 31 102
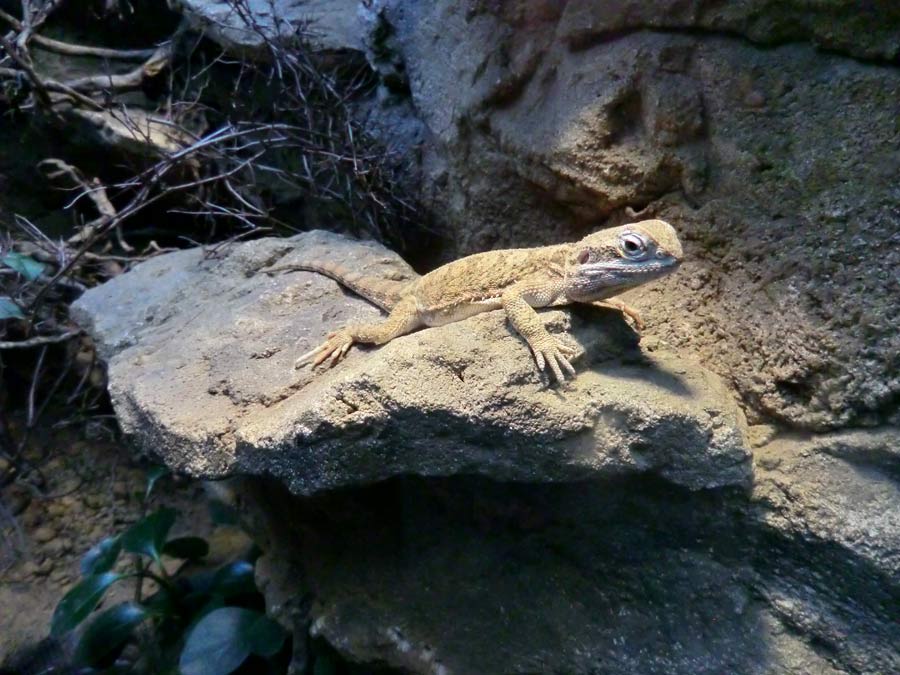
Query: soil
pixel 93 490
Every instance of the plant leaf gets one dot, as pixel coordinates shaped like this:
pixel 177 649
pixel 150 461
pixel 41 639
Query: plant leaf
pixel 187 548
pixel 9 309
pixel 154 473
pixel 80 601
pixel 108 632
pixel 265 636
pixel 101 557
pixel 215 646
pixel 148 535
pixel 234 579
pixel 25 265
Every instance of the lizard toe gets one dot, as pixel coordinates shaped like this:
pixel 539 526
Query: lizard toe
pixel 333 350
pixel 302 360
pixel 556 355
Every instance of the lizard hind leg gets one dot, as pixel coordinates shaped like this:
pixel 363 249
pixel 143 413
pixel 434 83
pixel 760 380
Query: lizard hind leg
pixel 404 318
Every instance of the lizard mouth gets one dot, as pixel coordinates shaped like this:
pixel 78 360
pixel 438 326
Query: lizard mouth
pixel 625 269
pixel 609 278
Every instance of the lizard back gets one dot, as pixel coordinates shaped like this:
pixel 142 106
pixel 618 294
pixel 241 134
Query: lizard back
pixel 480 279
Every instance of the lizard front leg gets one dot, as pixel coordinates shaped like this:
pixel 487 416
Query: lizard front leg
pixel 403 319
pixel 519 301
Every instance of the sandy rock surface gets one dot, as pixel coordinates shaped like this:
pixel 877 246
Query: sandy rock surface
pixel 200 353
pixel 776 161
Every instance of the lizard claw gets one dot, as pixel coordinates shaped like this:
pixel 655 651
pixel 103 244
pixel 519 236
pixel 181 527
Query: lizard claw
pixel 335 347
pixel 555 353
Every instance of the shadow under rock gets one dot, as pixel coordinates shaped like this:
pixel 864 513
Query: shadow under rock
pixel 621 576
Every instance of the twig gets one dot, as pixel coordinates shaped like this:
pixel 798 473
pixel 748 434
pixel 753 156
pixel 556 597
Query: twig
pixel 95 191
pixel 21 61
pixel 32 391
pixel 70 49
pixel 129 81
pixel 41 340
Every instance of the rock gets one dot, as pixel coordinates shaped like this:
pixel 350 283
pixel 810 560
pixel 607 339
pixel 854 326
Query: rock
pixel 829 506
pixel 200 358
pixel 59 576
pixel 44 534
pixel 777 165
pixel 95 501
pixel 33 515
pixel 449 548
pixel 57 547
pixel 56 509
pixel 839 488
pixel 44 567
pixel 623 576
pixel 30 569
pixel 328 24
pixel 16 498
pixel 873 33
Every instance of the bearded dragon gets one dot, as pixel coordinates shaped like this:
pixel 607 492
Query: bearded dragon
pixel 590 271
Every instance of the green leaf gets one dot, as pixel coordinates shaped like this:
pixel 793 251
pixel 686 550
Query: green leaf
pixel 223 639
pixel 80 601
pixel 187 548
pixel 9 309
pixel 108 632
pixel 148 535
pixel 265 636
pixel 25 265
pixel 153 475
pixel 234 579
pixel 101 557
pixel 163 603
pixel 216 645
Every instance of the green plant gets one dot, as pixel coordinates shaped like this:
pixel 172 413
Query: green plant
pixel 29 269
pixel 207 623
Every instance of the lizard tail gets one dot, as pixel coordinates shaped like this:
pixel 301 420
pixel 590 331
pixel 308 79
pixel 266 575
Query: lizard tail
pixel 383 293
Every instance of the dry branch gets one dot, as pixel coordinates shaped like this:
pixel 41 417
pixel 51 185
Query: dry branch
pixel 69 49
pixel 40 341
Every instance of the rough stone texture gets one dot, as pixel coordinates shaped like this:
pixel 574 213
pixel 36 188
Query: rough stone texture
pixel 199 355
pixel 869 29
pixel 777 161
pixel 329 24
pixel 633 575
pixel 778 165
pixel 537 122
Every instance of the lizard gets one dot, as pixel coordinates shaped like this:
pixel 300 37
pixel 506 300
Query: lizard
pixel 591 271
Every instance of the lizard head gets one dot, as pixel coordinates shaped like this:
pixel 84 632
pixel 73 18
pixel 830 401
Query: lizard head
pixel 611 261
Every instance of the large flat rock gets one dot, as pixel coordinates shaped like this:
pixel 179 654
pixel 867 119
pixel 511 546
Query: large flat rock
pixel 200 351
pixel 327 24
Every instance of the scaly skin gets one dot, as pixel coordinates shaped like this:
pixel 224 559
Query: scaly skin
pixel 589 271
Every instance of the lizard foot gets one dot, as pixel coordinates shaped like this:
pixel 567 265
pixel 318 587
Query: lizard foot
pixel 627 310
pixel 335 348
pixel 552 351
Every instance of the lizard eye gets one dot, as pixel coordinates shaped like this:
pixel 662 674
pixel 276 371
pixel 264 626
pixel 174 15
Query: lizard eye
pixel 583 257
pixel 633 245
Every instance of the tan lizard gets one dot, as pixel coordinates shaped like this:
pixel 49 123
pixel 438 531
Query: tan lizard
pixel 589 271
